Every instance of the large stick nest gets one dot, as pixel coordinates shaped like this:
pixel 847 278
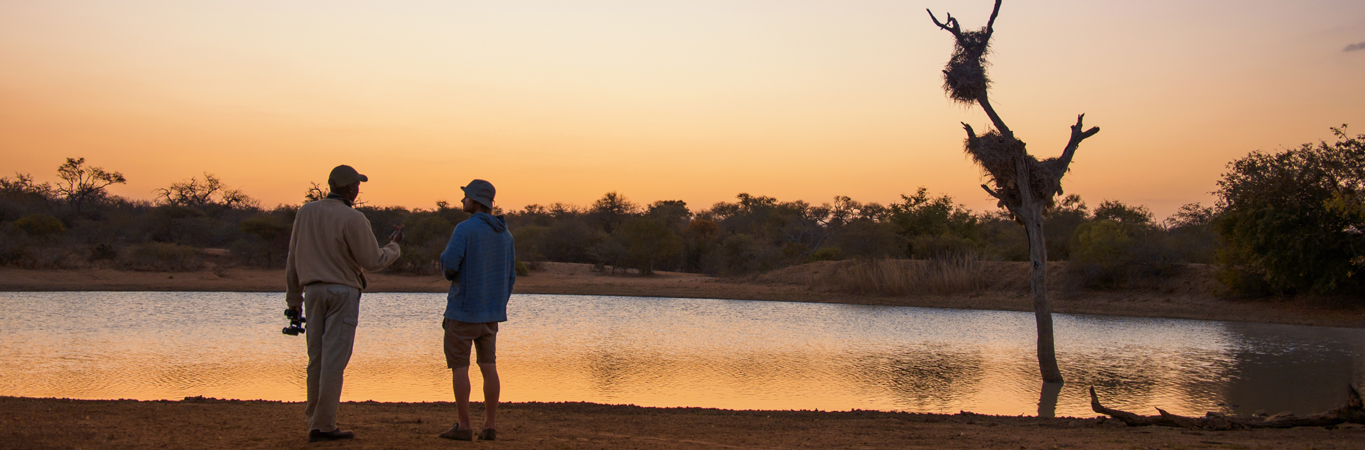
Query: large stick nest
pixel 965 75
pixel 997 153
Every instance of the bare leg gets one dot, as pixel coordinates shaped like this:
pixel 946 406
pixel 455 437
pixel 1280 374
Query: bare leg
pixel 460 381
pixel 492 388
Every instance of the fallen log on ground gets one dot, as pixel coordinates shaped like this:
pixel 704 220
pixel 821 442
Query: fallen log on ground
pixel 1352 412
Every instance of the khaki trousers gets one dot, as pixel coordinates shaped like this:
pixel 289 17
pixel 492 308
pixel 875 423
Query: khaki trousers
pixel 332 311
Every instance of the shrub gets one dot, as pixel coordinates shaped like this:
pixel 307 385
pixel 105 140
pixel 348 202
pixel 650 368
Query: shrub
pixel 526 239
pixel 522 269
pixel 649 242
pixel 1108 254
pixel 863 238
pixel 102 252
pixel 163 257
pixel 40 226
pixel 1280 233
pixel 827 254
pixel 1100 251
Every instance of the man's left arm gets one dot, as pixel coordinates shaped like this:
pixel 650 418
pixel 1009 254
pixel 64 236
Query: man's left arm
pixel 512 261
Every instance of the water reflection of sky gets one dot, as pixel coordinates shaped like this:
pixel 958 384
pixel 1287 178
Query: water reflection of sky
pixel 677 352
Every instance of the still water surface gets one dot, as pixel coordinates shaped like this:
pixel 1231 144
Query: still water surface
pixel 677 352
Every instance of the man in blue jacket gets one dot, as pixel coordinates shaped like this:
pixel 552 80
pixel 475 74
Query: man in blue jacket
pixel 480 262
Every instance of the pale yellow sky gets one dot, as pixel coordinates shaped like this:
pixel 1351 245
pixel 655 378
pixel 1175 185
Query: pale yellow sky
pixel 697 100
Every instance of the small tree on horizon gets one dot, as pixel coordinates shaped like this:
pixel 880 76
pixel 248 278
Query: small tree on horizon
pixel 1024 185
pixel 81 185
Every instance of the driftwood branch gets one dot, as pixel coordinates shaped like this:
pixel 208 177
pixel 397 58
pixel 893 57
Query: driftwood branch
pixel 951 24
pixel 1351 412
pixel 1077 136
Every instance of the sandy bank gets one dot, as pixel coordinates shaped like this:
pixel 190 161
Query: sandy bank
pixel 216 424
pixel 1188 296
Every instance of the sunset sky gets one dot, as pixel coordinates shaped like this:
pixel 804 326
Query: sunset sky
pixel 562 101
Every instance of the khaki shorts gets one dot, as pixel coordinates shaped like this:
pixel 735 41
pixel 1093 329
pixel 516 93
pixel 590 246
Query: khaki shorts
pixel 458 337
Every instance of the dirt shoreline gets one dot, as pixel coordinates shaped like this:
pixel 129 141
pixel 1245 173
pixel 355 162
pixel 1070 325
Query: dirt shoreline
pixel 230 424
pixel 1185 297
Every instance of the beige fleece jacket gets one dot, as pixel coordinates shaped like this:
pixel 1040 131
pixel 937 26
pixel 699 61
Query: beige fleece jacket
pixel 332 243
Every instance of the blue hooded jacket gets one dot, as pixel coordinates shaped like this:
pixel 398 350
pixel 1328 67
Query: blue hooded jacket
pixel 480 262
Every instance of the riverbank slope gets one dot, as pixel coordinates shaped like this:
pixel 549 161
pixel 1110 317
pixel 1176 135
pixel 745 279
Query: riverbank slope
pixel 221 424
pixel 1188 295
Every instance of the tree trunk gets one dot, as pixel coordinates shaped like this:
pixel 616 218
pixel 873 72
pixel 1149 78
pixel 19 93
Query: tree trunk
pixel 1032 214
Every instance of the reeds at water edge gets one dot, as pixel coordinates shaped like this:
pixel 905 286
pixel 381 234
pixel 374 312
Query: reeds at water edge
pixel 948 274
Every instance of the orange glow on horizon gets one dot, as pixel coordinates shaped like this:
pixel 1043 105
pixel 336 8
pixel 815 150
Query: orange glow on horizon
pixel 695 101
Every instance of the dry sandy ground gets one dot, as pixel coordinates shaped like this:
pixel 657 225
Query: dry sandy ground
pixel 1187 296
pixel 214 424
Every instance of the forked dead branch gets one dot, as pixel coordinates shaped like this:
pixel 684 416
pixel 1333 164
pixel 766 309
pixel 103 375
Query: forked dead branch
pixel 1023 185
pixel 1351 412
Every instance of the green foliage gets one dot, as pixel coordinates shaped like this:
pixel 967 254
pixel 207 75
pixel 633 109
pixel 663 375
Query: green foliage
pixel 827 254
pixel 1059 225
pixel 611 210
pixel 1124 214
pixel 522 269
pixel 265 227
pixel 527 239
pixel 425 227
pixel 569 240
pixel 20 196
pixel 649 242
pixel 867 239
pixel 1280 230
pixel 673 213
pixel 267 242
pixel 740 254
pixel 1102 249
pixel 699 242
pixel 922 215
pixel 1192 235
pixel 40 226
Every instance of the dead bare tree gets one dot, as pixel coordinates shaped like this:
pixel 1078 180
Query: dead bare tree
pixel 1351 412
pixel 1024 185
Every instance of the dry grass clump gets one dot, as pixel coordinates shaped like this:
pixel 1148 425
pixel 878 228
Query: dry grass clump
pixel 952 274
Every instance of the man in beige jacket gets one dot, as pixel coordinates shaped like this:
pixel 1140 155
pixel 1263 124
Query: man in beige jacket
pixel 330 249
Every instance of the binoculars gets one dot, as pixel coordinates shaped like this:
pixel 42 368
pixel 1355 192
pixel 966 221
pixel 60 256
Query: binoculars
pixel 296 321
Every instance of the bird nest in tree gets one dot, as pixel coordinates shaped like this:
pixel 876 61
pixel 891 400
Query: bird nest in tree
pixel 996 153
pixel 965 75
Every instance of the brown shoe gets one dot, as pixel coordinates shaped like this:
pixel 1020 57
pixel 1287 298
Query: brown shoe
pixel 318 435
pixel 488 434
pixel 457 434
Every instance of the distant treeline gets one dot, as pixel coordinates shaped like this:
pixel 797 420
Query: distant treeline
pixel 1284 223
